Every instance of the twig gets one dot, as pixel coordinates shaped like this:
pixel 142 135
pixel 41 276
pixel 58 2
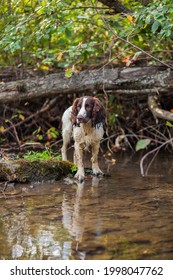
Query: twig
pixel 107 132
pixel 157 112
pixel 5 186
pixel 15 133
pixel 151 162
pixel 46 106
pixel 149 153
pixel 109 137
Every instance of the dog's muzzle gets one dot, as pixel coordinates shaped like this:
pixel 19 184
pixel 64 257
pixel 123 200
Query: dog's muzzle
pixel 82 119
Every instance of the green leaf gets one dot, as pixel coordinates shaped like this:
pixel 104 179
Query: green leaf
pixel 168 33
pixel 68 73
pixel 68 33
pixel 82 17
pixel 142 144
pixel 148 19
pixel 169 124
pixel 155 26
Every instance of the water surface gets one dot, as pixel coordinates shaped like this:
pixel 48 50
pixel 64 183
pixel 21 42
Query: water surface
pixel 124 216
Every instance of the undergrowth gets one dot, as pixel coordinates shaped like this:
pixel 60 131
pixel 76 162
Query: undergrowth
pixel 47 154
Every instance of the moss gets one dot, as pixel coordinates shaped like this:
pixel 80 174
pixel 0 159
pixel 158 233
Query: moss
pixel 34 171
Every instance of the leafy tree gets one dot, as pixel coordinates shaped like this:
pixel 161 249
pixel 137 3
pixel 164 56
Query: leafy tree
pixel 73 35
pixel 68 34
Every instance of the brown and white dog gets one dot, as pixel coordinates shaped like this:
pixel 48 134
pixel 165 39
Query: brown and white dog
pixel 84 120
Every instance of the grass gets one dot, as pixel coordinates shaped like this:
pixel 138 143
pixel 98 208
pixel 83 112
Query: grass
pixel 47 154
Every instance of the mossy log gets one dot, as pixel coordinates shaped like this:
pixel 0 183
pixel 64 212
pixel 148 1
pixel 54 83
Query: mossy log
pixel 33 171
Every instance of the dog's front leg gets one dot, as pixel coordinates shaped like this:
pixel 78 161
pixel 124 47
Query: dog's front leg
pixel 95 167
pixel 80 175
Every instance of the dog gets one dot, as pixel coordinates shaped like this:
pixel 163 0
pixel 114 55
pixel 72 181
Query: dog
pixel 85 121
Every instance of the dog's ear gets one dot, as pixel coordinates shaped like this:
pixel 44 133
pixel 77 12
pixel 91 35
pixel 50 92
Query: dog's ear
pixel 74 111
pixel 98 114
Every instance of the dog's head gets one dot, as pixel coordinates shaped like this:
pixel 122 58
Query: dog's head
pixel 87 109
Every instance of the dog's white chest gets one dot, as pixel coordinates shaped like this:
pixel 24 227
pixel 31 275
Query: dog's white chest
pixel 87 134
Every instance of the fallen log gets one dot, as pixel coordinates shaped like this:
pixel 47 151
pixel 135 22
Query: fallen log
pixel 148 81
pixel 33 171
pixel 125 80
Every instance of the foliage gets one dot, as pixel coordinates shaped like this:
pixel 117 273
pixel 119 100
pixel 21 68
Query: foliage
pixel 142 144
pixel 157 19
pixel 48 32
pixel 66 34
pixel 74 169
pixel 169 124
pixel 47 154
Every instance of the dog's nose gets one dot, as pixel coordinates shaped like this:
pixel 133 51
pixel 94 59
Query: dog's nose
pixel 80 118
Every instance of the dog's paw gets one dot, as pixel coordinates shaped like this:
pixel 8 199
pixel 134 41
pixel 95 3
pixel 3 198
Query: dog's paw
pixel 80 176
pixel 97 172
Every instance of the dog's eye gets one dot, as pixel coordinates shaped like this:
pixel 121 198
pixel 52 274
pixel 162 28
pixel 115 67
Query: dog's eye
pixel 88 107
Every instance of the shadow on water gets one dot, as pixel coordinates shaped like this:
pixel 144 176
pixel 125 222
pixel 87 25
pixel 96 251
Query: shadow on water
pixel 124 216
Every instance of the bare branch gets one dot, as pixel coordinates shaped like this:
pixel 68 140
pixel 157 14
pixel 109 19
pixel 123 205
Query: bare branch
pixel 116 6
pixel 154 106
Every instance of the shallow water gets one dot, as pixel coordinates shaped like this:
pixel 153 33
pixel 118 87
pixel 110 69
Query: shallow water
pixel 124 216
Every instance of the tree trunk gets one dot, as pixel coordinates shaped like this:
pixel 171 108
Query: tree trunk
pixel 132 81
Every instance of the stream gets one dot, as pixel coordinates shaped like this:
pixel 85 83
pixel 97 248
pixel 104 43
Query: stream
pixel 121 216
